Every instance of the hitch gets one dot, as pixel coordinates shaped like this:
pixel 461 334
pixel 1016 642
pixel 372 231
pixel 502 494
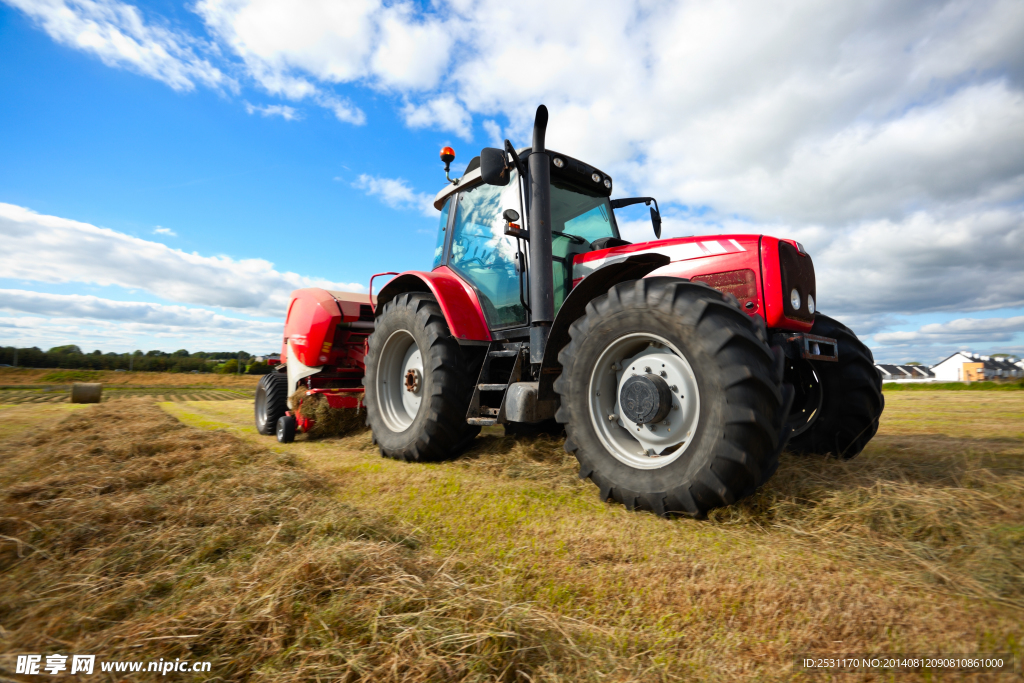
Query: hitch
pixel 808 346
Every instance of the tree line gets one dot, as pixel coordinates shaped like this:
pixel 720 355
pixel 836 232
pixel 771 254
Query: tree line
pixel 73 358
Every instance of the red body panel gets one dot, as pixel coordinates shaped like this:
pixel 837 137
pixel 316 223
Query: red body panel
pixel 698 257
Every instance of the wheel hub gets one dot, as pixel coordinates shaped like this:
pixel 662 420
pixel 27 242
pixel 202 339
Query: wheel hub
pixel 412 380
pixel 645 399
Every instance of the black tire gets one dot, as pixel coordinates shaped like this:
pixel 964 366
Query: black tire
pixel 738 435
pixel 439 430
pixel 271 402
pixel 851 400
pixel 286 425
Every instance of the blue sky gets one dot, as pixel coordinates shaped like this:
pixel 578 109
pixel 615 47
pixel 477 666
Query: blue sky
pixel 269 145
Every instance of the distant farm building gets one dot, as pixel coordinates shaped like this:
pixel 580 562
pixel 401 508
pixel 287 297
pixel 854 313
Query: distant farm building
pixel 905 373
pixel 963 366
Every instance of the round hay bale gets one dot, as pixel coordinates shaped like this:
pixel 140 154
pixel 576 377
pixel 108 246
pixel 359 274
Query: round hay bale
pixel 328 421
pixel 86 392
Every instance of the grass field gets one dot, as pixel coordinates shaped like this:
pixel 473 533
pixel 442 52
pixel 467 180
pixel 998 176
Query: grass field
pixel 140 533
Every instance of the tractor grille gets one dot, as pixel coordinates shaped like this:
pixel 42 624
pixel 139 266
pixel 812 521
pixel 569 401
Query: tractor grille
pixel 797 273
pixel 366 313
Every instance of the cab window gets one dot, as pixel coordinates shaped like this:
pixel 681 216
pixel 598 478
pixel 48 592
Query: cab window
pixel 577 219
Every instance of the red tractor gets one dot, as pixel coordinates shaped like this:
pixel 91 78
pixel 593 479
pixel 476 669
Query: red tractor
pixel 678 368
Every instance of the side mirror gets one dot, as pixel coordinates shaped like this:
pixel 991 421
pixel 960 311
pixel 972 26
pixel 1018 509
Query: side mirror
pixel 656 219
pixel 493 167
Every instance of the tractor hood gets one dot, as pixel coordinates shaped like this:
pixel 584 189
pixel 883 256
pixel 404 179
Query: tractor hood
pixel 679 249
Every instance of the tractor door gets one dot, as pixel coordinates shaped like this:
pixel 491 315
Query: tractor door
pixel 483 255
pixel 578 218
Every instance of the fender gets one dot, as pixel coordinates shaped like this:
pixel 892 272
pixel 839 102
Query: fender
pixel 458 300
pixel 627 267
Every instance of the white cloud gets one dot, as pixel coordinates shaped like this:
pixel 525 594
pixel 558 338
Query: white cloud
pixel 160 230
pixel 332 42
pixel 117 34
pixel 121 336
pixel 343 110
pixel 137 312
pixel 80 252
pixel 442 113
pixel 960 331
pixel 284 111
pixel 396 193
pixel 924 262
pixel 494 133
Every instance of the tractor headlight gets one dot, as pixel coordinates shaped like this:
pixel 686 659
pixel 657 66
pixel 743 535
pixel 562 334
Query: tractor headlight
pixel 794 300
pixel 810 303
pixel 558 163
pixel 608 183
pixel 596 177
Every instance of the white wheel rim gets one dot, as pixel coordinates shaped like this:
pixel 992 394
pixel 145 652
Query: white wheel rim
pixel 640 446
pixel 398 405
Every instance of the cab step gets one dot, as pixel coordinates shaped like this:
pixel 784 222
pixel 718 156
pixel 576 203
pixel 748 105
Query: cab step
pixel 501 367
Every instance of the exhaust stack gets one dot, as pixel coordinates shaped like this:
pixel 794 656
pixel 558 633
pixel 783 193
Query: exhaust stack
pixel 542 288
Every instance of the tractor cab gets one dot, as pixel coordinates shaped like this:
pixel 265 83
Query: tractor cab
pixel 482 235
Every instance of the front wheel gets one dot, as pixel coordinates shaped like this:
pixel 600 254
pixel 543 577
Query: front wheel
pixel 671 399
pixel 846 395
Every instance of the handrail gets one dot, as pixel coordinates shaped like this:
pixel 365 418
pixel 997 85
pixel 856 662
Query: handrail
pixel 373 306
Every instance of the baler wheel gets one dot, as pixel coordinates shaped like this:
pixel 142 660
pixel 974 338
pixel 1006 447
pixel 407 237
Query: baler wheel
pixel 418 383
pixel 671 398
pixel 286 426
pixel 851 397
pixel 271 402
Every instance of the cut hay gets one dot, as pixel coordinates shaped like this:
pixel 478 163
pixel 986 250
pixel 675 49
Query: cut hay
pixel 328 421
pixel 127 535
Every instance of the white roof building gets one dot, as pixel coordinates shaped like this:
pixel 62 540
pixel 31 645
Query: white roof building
pixel 964 365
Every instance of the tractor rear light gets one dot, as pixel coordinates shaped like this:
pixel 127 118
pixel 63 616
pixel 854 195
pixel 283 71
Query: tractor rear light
pixel 794 300
pixel 810 303
pixel 596 177
pixel 558 163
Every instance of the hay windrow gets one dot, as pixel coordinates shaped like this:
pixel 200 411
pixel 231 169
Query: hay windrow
pixel 328 421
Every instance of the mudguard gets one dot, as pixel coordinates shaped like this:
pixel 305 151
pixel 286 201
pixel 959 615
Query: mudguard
pixel 629 267
pixel 458 300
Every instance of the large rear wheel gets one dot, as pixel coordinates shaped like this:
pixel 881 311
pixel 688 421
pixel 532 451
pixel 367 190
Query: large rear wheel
pixel 846 396
pixel 671 399
pixel 418 383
